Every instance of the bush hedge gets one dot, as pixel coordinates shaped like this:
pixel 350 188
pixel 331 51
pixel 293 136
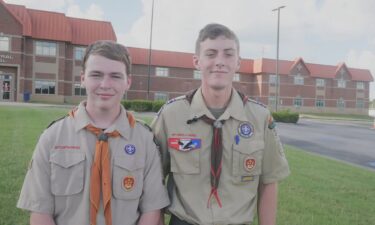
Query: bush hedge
pixel 143 105
pixel 285 116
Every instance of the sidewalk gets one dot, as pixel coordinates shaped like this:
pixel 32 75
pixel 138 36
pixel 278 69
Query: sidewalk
pixel 30 104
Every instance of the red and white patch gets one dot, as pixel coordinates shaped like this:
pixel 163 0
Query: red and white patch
pixel 249 163
pixel 184 144
pixel 129 183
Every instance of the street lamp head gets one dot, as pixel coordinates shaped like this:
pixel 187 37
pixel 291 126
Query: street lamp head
pixel 278 8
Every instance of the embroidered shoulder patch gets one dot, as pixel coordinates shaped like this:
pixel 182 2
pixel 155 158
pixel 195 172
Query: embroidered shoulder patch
pixel 256 102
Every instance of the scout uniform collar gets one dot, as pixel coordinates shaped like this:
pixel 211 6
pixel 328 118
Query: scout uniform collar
pixel 199 108
pixel 122 124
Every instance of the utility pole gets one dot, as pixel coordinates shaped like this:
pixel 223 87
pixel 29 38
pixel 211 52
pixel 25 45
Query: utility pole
pixel 149 52
pixel 277 56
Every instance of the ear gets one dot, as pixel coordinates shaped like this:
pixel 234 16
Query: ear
pixel 82 79
pixel 129 79
pixel 238 63
pixel 196 61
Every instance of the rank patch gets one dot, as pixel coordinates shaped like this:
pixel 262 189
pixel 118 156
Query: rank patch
pixel 128 183
pixel 130 149
pixel 247 178
pixel 249 163
pixel 245 129
pixel 184 144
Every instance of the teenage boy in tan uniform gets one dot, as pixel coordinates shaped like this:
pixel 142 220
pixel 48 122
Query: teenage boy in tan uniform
pixel 220 149
pixel 97 165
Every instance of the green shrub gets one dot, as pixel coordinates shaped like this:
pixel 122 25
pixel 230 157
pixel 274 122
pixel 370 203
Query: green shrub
pixel 285 116
pixel 126 104
pixel 141 105
pixel 156 105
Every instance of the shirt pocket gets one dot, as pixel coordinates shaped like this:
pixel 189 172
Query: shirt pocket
pixel 185 162
pixel 247 161
pixel 127 178
pixel 67 172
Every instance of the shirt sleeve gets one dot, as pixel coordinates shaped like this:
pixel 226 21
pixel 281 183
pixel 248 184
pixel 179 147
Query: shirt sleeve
pixel 154 195
pixel 159 129
pixel 275 165
pixel 36 194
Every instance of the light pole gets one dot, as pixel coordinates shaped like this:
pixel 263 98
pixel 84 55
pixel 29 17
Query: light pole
pixel 277 55
pixel 149 52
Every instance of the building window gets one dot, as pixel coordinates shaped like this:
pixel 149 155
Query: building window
pixel 160 96
pixel 272 79
pixel 46 48
pixel 79 90
pixel 162 72
pixel 45 87
pixel 360 104
pixel 319 103
pixel 341 83
pixel 4 44
pixel 360 85
pixel 320 82
pixel 197 74
pixel 272 101
pixel 340 103
pixel 236 77
pixel 297 102
pixel 298 80
pixel 79 52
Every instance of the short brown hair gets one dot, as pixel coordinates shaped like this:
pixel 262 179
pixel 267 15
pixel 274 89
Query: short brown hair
pixel 110 50
pixel 214 30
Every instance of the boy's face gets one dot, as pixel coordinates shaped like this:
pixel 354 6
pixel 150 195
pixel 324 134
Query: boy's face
pixel 218 60
pixel 105 81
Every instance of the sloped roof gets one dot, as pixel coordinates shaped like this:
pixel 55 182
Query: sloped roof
pixel 56 26
pixel 174 59
pixel 316 70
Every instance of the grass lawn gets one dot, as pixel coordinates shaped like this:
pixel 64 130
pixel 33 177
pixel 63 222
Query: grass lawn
pixel 319 191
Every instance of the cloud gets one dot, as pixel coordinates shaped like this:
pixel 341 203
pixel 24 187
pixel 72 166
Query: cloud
pixel 93 12
pixel 57 5
pixel 69 7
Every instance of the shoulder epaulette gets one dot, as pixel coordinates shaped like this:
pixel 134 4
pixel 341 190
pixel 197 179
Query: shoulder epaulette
pixel 175 99
pixel 256 102
pixel 53 122
pixel 144 124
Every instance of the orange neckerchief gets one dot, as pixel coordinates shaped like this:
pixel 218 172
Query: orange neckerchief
pixel 101 171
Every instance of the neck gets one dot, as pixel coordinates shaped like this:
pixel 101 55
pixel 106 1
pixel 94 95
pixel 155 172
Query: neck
pixel 102 118
pixel 216 99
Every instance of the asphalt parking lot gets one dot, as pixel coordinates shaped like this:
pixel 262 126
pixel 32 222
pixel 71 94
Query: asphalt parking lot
pixel 349 141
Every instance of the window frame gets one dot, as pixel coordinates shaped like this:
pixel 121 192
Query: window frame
pixel 162 71
pixel 298 80
pixel 46 48
pixel 161 96
pixel 197 75
pixel 79 90
pixel 44 83
pixel 320 82
pixel 5 41
pixel 80 50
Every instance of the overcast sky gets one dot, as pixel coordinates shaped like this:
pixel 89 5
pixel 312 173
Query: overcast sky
pixel 320 31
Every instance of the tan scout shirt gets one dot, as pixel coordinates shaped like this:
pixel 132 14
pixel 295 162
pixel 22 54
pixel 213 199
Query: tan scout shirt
pixel 58 180
pixel 252 153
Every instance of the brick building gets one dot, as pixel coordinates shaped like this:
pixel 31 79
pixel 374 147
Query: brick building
pixel 41 53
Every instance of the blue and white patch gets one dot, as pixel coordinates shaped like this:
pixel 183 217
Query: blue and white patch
pixel 130 149
pixel 245 129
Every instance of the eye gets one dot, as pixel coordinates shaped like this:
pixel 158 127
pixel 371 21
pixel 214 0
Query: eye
pixel 117 76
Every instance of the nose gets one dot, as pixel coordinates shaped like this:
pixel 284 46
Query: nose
pixel 219 61
pixel 106 82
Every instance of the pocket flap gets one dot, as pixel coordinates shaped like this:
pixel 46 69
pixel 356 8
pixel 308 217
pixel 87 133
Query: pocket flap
pixel 128 163
pixel 248 147
pixel 67 159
